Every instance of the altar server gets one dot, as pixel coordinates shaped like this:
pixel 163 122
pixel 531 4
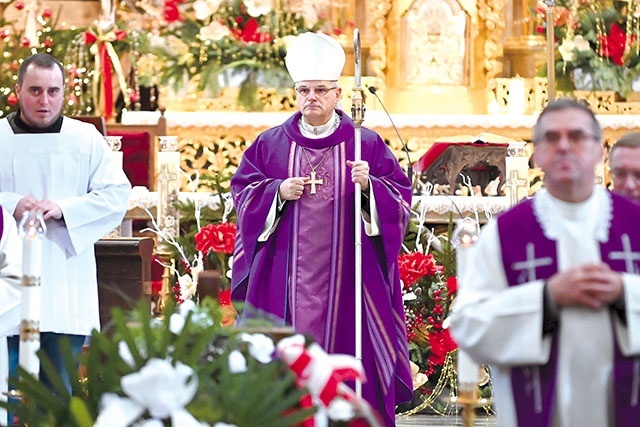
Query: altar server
pixel 294 255
pixel 553 295
pixel 63 168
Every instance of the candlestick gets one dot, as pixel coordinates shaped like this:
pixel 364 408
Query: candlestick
pixel 32 229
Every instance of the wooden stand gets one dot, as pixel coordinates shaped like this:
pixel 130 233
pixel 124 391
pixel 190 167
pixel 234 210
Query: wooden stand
pixel 124 273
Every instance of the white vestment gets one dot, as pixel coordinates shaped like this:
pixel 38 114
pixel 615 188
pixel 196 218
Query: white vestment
pixel 73 168
pixel 10 274
pixel 502 326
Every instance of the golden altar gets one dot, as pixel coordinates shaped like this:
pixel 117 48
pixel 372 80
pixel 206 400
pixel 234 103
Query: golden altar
pixel 213 141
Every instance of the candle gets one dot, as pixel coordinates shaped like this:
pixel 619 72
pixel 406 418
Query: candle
pixel 463 238
pixel 32 229
pixel 516 97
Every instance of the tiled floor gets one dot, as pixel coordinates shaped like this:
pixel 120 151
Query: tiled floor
pixel 441 421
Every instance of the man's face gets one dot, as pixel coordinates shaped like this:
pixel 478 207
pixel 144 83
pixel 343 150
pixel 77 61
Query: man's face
pixel 625 171
pixel 567 151
pixel 41 95
pixel 317 100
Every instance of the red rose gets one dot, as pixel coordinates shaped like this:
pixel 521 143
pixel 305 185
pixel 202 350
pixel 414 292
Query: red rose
pixel 441 344
pixel 452 285
pixel 216 237
pixel 613 45
pixel 415 265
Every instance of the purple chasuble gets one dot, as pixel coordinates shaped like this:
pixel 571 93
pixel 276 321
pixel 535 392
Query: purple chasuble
pixel 1 226
pixel 304 274
pixel 533 257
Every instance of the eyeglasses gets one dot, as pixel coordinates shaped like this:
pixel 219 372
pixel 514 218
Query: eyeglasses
pixel 575 138
pixel 623 174
pixel 320 91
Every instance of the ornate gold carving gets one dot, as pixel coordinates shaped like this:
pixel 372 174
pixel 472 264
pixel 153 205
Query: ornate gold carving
pixel 491 14
pixel 376 17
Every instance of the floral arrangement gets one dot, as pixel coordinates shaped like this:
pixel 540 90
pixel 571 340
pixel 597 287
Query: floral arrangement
pixel 186 370
pixel 428 275
pixel 598 44
pixel 205 242
pixel 203 44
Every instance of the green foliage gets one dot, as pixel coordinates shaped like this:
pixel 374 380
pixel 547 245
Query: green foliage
pixel 265 395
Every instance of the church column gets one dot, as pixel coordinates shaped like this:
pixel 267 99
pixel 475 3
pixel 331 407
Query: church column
pixel 524 49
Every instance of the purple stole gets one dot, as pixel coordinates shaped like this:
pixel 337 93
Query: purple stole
pixel 533 257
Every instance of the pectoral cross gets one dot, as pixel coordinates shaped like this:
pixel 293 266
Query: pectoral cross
pixel 313 181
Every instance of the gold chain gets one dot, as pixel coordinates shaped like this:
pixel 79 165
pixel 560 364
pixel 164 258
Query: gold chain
pixel 313 168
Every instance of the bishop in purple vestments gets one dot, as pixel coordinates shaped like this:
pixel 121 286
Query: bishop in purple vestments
pixel 294 194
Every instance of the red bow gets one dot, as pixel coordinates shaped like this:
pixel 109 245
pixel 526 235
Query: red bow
pixel 104 59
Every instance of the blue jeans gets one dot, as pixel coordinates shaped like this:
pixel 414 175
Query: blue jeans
pixel 49 344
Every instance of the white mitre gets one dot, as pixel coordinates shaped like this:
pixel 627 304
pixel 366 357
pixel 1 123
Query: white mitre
pixel 315 56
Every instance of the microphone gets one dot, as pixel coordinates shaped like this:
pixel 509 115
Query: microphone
pixel 373 90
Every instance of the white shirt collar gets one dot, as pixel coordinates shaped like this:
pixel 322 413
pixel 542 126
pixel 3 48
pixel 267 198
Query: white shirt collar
pixel 315 132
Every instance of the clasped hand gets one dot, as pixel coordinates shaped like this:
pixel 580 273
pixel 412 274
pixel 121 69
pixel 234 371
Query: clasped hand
pixel 49 208
pixel 591 285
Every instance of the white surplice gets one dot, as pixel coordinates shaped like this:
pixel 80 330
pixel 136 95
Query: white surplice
pixel 74 168
pixel 502 326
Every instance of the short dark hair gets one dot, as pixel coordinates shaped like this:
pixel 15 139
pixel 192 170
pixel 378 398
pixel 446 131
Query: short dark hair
pixel 567 104
pixel 41 60
pixel 629 140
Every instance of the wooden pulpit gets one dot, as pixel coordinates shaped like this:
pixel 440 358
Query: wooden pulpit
pixel 124 273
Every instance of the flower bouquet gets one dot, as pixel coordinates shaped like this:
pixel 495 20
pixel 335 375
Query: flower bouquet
pixel 185 370
pixel 598 44
pixel 204 44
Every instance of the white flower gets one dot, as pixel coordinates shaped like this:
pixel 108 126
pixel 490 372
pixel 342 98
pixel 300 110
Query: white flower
pixel 116 411
pixel 256 8
pixel 237 362
pixel 224 425
pixel 205 8
pixel 214 31
pixel 176 323
pixel 188 286
pixel 340 410
pixel 125 353
pixel 568 47
pixel 261 347
pixel 161 388
pixel 409 296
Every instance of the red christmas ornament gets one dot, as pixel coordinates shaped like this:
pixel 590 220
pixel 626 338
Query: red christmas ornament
pixel 12 99
pixel 47 13
pixel 19 5
pixel 25 42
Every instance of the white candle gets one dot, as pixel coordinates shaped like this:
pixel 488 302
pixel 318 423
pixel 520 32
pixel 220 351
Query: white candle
pixel 464 237
pixel 32 230
pixel 516 97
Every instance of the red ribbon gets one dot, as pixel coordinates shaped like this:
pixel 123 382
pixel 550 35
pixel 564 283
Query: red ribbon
pixel 105 63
